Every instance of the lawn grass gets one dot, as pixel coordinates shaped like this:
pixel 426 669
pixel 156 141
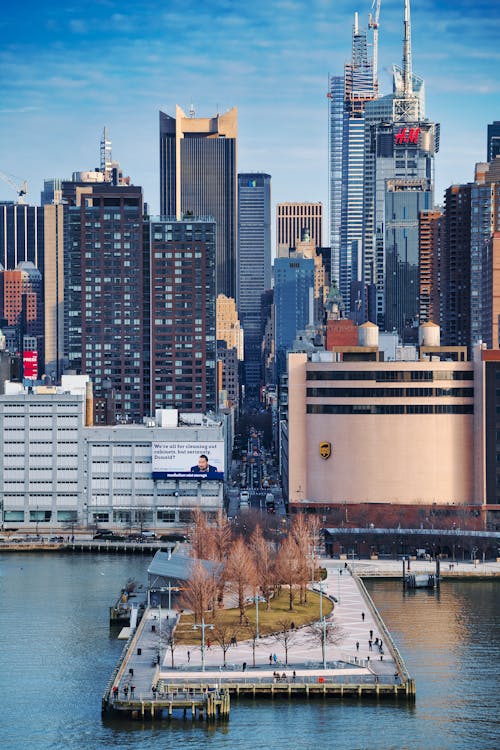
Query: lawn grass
pixel 269 620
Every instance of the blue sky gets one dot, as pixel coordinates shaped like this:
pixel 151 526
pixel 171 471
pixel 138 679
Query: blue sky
pixel 69 68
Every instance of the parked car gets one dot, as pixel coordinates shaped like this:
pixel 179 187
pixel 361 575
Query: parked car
pixel 104 534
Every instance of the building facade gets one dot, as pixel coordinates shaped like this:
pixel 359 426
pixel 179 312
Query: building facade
pixel 59 473
pixel 198 177
pixel 294 282
pixel 383 432
pixel 21 235
pixel 106 295
pixel 292 219
pixel 254 266
pixel 183 314
pixel 348 97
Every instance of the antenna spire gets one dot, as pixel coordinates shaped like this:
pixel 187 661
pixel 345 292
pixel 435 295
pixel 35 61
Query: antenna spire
pixel 407 71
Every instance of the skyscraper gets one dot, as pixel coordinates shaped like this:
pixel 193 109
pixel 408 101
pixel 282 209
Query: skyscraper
pixel 292 219
pixel 21 235
pixel 493 143
pixel 348 98
pixel 294 282
pixel 198 176
pixel 183 346
pixel 400 144
pixel 254 266
pixel 106 294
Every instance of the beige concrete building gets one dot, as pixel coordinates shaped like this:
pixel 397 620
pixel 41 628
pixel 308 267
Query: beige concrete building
pixel 382 432
pixel 53 279
pixel 292 219
pixel 228 324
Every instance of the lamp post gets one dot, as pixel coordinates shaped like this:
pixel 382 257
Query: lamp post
pixel 340 573
pixel 256 599
pixel 203 626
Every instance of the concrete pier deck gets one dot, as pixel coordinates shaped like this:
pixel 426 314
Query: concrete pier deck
pixel 351 667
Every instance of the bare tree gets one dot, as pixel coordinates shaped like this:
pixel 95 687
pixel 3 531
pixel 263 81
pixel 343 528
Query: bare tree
pixel 285 636
pixel 265 563
pixel 221 536
pixel 200 592
pixel 240 572
pixel 201 536
pixel 225 635
pixel 288 568
pixel 305 532
pixel 325 632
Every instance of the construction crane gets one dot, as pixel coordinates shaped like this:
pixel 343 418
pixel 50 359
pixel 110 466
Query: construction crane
pixel 373 21
pixel 21 190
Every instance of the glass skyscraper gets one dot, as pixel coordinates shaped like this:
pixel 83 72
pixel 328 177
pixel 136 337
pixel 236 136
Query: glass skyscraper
pixel 198 177
pixel 254 266
pixel 348 98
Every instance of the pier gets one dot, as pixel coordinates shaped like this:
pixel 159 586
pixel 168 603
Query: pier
pixel 154 680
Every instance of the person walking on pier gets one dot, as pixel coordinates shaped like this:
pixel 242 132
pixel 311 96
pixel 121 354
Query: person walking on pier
pixel 189 656
pixel 371 635
pixel 370 646
pixel 363 616
pixel 357 645
pixel 132 691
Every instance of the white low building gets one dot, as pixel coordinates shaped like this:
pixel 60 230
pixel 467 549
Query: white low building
pixel 58 472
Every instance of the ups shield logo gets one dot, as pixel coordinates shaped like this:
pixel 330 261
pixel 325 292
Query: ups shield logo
pixel 325 450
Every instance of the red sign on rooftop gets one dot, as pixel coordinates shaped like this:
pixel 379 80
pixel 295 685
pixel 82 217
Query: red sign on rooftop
pixel 407 135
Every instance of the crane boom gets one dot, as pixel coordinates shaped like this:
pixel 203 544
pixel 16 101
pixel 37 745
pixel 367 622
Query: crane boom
pixel 21 190
pixel 373 22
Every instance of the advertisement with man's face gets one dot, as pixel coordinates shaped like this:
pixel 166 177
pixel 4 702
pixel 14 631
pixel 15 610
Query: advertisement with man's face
pixel 188 460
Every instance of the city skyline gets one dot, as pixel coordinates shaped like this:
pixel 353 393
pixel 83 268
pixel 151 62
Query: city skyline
pixel 72 71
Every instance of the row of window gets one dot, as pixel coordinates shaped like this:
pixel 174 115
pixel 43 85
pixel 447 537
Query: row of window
pixel 390 392
pixel 381 376
pixel 389 409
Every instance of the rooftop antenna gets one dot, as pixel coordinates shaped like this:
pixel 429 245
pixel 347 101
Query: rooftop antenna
pixel 106 156
pixel 407 72
pixel 192 111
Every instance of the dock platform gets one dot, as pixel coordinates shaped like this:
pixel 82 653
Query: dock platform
pixel 153 681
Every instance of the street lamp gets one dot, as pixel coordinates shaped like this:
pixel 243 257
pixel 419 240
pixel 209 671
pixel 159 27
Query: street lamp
pixel 340 573
pixel 203 627
pixel 256 599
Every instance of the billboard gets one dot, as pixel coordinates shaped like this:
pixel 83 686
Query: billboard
pixel 177 460
pixel 30 365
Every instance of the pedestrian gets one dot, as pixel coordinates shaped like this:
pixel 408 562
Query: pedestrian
pixel 357 645
pixel 153 690
pixel 125 691
pixel 208 643
pixel 189 656
pixel 115 692
pixel 340 571
pixel 396 677
pixel 376 641
pixel 370 646
pixel 371 635
pixel 345 565
pixel 363 616
pixel 381 657
pixel 270 659
pixel 294 675
pixel 275 658
pixel 132 691
pixel 376 679
pixel 244 665
pixel 283 676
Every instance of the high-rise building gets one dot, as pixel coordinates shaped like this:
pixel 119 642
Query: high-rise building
pixel 198 177
pixel 292 219
pixel 493 142
pixel 183 314
pixel 53 280
pixel 106 295
pixel 21 306
pixel 430 223
pixel 293 303
pixel 455 266
pixel 254 266
pixel 348 98
pixel 400 144
pixel 21 235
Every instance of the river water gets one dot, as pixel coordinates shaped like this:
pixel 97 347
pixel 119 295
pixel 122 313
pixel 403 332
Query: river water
pixel 57 654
